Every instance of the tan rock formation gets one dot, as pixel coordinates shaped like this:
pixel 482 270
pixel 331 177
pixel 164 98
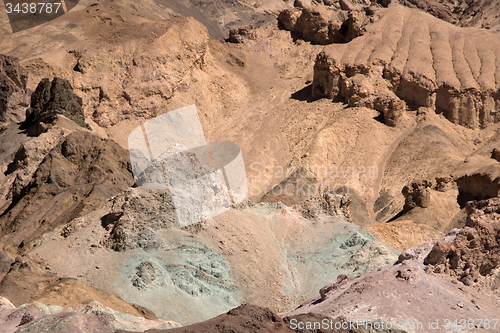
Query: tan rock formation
pixel 14 95
pixel 325 27
pixel 423 61
pixel 417 194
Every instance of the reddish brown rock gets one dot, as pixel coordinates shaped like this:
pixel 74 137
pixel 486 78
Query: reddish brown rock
pixel 474 256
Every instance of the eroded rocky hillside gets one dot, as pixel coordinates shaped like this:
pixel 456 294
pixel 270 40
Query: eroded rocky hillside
pixel 382 119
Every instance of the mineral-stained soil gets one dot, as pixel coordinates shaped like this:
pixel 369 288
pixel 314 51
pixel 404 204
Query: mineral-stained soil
pixel 264 254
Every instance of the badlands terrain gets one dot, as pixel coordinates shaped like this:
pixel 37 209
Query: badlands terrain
pixel 369 132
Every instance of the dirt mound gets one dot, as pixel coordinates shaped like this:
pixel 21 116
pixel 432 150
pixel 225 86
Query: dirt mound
pixel 410 56
pixel 77 176
pixel 14 96
pixel 479 185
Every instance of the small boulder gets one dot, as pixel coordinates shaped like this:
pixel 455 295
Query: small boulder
pixel 445 183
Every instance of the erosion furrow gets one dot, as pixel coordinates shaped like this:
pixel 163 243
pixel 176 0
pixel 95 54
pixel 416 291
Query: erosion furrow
pixel 386 47
pixel 402 51
pixel 443 56
pixel 472 57
pixel 460 64
pixel 420 59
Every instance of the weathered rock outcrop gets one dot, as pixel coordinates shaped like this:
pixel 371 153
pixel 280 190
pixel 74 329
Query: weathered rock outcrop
pixel 413 57
pixel 49 100
pixel 132 73
pixel 327 204
pixel 77 176
pixel 325 27
pixel 479 185
pixel 247 317
pixel 473 256
pixel 14 96
pixel 110 318
pixel 421 295
pixel 417 194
